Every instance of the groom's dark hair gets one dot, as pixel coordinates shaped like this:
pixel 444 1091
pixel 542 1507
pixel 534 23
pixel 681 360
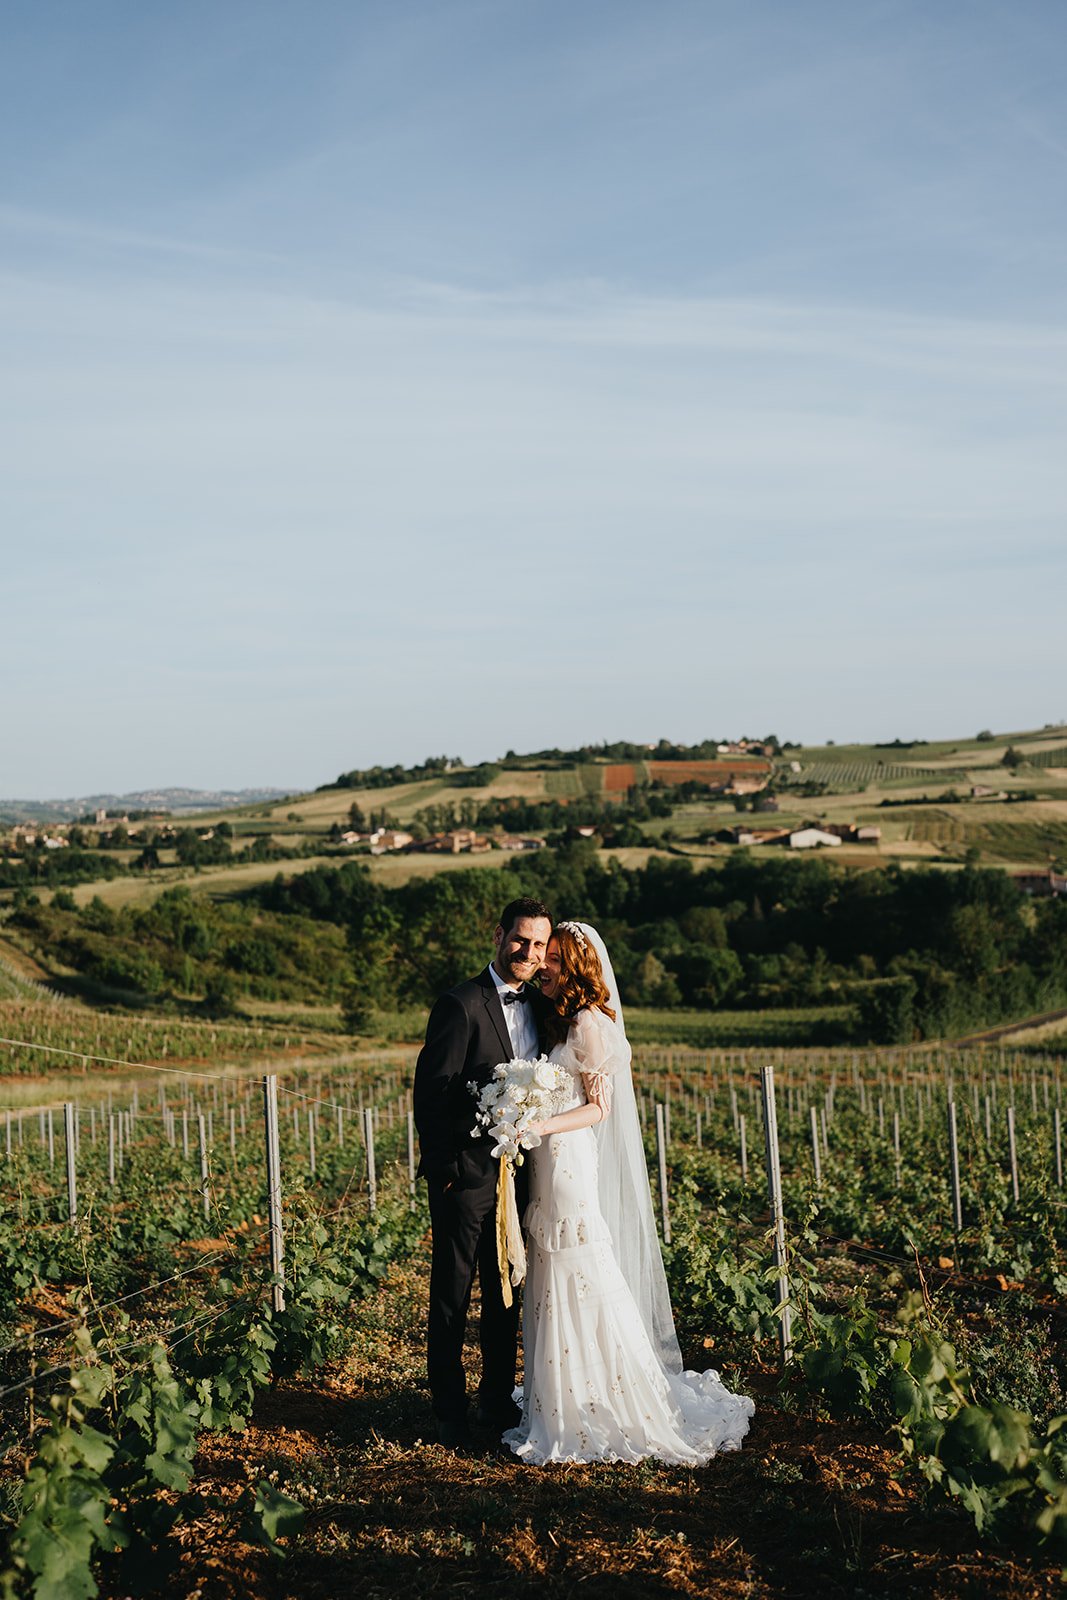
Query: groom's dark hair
pixel 526 907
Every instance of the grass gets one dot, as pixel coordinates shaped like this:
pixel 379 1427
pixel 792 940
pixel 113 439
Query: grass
pixel 995 830
pixel 406 1026
pixel 959 752
pixel 633 856
pixel 718 1029
pixel 403 800
pixel 394 870
pixel 219 882
pixel 563 785
pixel 1018 833
pixel 225 881
pixel 644 1025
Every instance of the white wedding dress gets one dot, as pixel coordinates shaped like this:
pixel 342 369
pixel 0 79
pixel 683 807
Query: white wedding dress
pixel 595 1388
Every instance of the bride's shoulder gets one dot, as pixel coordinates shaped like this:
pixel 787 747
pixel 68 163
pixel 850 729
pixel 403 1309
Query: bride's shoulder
pixel 592 1017
pixel 590 1027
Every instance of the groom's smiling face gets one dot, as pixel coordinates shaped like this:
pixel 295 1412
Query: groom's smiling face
pixel 520 950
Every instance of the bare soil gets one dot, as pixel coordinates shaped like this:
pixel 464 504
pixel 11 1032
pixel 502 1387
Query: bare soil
pixel 808 1507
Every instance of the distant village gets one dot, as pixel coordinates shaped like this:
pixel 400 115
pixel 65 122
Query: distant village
pixel 749 780
pixel 88 833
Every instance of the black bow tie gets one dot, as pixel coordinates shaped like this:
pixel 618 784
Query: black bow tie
pixel 514 997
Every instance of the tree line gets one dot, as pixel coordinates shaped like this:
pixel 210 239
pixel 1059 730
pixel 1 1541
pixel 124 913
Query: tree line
pixel 917 954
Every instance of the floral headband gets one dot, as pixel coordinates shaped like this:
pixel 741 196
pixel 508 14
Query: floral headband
pixel 575 930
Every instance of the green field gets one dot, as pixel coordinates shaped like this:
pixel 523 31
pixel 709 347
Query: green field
pixel 708 1030
pixel 994 830
pixel 944 752
pixel 563 785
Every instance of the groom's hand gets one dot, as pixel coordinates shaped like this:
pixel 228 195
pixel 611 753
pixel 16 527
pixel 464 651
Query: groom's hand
pixel 444 1177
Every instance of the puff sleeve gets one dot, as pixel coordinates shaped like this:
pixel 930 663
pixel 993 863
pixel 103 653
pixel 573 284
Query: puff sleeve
pixel 596 1048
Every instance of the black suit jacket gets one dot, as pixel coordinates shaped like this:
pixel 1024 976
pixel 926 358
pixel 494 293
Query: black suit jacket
pixel 466 1037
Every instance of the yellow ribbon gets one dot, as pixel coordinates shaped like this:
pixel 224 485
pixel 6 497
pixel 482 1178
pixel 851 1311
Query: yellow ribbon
pixel 510 1251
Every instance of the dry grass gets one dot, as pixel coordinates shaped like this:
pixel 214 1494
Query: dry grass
pixel 21 963
pixel 332 804
pixel 632 856
pixel 402 800
pixel 223 880
pixel 1051 1031
pixel 394 870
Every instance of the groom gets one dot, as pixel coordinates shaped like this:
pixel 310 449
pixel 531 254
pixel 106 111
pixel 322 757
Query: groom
pixel 488 1019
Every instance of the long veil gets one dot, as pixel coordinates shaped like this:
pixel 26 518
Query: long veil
pixel 625 1194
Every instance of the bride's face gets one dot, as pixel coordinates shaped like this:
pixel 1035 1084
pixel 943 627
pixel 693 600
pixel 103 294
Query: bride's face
pixel 550 973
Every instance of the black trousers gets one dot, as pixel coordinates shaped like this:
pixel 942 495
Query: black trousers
pixel 463 1219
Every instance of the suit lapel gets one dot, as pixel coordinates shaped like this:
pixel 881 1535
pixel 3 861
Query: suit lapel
pixel 495 1012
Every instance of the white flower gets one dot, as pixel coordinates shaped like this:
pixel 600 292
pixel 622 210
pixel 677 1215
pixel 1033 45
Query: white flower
pixel 519 1095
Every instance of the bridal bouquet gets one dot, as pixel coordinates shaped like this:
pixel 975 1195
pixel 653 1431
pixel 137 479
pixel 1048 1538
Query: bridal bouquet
pixel 519 1094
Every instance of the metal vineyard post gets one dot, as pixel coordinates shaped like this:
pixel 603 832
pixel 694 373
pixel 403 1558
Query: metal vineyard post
pixel 774 1190
pixel 661 1152
pixel 372 1175
pixel 1012 1155
pixel 411 1158
pixel 72 1177
pixel 274 1190
pixel 205 1184
pixel 815 1148
pixel 954 1172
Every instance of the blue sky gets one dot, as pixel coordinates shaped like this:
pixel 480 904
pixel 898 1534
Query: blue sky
pixel 389 379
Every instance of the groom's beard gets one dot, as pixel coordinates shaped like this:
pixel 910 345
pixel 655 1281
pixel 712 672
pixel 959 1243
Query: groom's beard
pixel 517 971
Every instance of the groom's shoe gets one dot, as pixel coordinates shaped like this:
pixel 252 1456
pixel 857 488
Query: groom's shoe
pixel 498 1417
pixel 453 1435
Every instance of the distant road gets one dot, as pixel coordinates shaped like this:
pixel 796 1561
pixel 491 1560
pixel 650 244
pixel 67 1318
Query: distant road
pixel 991 1035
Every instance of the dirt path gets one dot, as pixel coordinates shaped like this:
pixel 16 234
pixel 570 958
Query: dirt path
pixel 991 1035
pixel 806 1508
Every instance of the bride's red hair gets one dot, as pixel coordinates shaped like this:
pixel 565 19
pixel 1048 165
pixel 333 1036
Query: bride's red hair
pixel 581 984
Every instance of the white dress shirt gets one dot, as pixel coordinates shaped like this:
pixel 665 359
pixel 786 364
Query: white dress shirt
pixel 519 1019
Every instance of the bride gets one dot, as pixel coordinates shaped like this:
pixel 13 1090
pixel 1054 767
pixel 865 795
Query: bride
pixel 603 1369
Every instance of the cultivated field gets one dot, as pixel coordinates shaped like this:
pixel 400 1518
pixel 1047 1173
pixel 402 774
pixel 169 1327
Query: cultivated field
pixel 246 1449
